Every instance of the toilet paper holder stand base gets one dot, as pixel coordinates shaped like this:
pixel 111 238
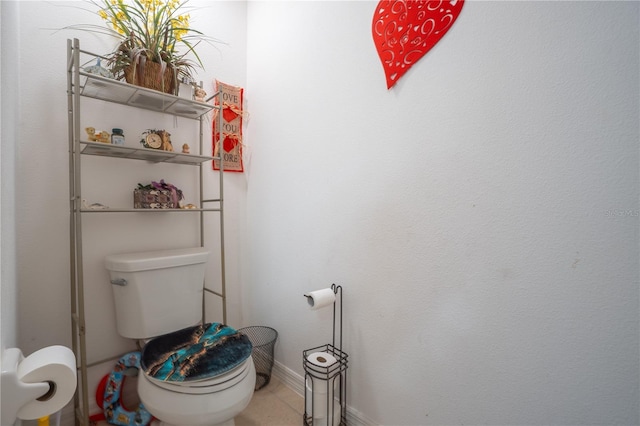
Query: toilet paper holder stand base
pixel 326 382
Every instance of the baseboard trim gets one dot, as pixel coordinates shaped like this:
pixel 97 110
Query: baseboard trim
pixel 295 382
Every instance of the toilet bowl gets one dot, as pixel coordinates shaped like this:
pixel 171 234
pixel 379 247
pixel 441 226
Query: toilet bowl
pixel 190 374
pixel 200 375
pixel 198 405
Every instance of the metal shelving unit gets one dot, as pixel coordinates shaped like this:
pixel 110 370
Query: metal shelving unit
pixel 81 84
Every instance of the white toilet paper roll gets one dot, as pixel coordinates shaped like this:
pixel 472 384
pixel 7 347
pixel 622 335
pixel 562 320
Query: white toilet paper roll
pixel 325 421
pixel 322 359
pixel 320 298
pixel 317 391
pixel 55 365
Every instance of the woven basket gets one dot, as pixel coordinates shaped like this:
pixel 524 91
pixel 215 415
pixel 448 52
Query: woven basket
pixel 149 74
pixel 153 199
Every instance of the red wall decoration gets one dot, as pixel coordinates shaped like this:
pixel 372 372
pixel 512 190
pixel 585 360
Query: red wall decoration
pixel 405 30
pixel 231 132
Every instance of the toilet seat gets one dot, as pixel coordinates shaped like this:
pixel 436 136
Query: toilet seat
pixel 202 359
pixel 217 384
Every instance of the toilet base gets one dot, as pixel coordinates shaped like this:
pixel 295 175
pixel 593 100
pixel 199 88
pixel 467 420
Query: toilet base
pixel 211 409
pixel 227 423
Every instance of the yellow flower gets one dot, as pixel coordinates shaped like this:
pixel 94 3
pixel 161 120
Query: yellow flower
pixel 178 34
pixel 102 14
pixel 114 23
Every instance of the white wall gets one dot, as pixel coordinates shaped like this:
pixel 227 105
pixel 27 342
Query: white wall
pixel 9 123
pixel 41 185
pixel 482 216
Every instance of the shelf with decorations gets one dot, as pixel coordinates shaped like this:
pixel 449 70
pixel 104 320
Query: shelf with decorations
pixel 146 154
pixel 110 90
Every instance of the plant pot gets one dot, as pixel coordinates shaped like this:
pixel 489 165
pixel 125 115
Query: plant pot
pixel 150 75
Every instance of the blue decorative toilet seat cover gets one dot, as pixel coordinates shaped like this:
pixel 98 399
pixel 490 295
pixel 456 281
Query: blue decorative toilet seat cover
pixel 195 353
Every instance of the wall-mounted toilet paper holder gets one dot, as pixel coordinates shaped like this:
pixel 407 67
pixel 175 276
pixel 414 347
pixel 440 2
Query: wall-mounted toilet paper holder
pixel 325 376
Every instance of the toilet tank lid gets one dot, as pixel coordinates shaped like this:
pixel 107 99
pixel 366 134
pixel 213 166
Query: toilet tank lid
pixel 159 259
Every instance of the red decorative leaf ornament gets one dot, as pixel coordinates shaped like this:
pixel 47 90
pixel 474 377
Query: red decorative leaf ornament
pixel 405 30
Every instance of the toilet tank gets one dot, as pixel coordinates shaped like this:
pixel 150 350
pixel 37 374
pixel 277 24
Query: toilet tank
pixel 157 292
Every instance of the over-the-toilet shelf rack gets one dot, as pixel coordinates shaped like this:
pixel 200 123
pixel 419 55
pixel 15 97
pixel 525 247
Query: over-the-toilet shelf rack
pixel 82 84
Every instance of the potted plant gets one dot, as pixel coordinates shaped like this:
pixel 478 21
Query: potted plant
pixel 154 40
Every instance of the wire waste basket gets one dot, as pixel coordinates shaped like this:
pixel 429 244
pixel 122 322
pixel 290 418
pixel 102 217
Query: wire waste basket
pixel 263 340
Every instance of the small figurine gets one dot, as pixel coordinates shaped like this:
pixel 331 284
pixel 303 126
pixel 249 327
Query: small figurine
pixel 200 94
pixel 94 136
pixel 91 133
pixel 166 141
pixel 185 149
pixel 94 206
pixel 99 70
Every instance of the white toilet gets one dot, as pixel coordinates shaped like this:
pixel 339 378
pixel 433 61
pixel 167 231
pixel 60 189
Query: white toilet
pixel 191 373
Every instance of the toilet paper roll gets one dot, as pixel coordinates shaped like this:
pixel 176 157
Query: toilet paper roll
pixel 325 421
pixel 317 391
pixel 322 359
pixel 320 298
pixel 55 365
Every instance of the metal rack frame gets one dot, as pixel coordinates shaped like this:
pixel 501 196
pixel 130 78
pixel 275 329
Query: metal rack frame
pixel 333 377
pixel 82 84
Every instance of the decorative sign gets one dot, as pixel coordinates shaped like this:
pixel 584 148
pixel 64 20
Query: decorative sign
pixel 405 30
pixel 231 150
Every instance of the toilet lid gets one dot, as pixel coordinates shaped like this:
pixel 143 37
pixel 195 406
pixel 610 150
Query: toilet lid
pixel 195 353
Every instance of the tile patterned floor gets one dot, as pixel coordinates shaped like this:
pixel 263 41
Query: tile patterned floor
pixel 274 405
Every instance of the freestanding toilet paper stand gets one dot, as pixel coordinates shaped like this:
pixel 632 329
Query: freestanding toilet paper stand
pixel 325 377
